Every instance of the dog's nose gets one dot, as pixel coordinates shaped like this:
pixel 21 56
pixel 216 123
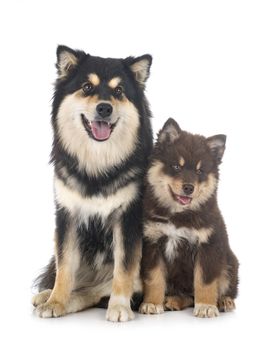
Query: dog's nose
pixel 104 109
pixel 188 189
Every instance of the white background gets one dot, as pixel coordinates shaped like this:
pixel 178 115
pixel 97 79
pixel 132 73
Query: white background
pixel 207 73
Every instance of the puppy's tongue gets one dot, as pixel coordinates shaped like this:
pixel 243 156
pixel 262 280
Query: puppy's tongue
pixel 100 130
pixel 183 199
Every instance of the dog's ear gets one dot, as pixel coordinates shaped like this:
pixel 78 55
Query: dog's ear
pixel 170 131
pixel 140 66
pixel 67 59
pixel 217 145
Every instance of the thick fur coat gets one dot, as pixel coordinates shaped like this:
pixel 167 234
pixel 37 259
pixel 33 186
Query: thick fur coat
pixel 102 142
pixel 187 259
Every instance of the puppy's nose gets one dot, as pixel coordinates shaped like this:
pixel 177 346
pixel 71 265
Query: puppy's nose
pixel 104 109
pixel 188 188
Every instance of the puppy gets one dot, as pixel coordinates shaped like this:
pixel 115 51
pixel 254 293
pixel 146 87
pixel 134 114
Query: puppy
pixel 186 255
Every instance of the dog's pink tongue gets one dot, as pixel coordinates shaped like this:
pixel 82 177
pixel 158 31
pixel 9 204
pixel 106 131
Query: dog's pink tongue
pixel 100 130
pixel 184 200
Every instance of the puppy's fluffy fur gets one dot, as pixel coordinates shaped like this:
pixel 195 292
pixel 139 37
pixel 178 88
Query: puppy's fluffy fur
pixel 186 255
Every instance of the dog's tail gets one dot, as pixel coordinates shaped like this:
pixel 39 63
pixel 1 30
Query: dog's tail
pixel 46 279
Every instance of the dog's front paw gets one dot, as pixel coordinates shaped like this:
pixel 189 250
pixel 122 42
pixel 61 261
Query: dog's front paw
pixel 41 298
pixel 50 309
pixel 119 313
pixel 204 311
pixel 148 308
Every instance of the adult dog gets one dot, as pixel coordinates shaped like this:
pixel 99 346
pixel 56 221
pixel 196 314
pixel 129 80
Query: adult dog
pixel 102 141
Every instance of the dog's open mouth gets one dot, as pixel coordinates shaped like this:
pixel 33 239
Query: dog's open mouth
pixel 99 130
pixel 183 200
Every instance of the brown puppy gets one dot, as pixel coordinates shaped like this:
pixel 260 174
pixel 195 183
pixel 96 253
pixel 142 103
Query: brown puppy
pixel 186 255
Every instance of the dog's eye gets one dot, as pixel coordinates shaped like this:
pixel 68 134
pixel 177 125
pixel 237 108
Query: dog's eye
pixel 176 167
pixel 118 91
pixel 199 171
pixel 87 88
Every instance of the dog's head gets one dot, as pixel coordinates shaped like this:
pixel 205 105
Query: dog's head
pixel 184 170
pixel 98 102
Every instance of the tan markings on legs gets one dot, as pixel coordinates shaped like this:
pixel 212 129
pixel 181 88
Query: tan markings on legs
pixel 205 295
pixel 66 266
pixel 154 286
pixel 123 279
pixel 119 308
pixel 154 291
pixel 226 304
pixel 55 305
pixel 123 282
pixel 177 303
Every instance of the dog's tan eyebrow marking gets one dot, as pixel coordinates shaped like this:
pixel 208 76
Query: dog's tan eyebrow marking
pixel 113 83
pixel 94 79
pixel 198 166
pixel 181 161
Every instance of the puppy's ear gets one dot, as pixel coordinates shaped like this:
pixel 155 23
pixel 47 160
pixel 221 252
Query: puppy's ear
pixel 170 131
pixel 67 59
pixel 140 66
pixel 217 146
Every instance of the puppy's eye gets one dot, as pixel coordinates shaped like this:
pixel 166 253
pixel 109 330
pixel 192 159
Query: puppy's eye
pixel 199 171
pixel 118 91
pixel 176 168
pixel 87 88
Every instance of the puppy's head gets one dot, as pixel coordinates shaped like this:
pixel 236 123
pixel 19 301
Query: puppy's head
pixel 98 100
pixel 184 170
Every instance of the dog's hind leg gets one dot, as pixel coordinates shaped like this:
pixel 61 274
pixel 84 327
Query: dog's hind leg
pixel 178 302
pixel 41 297
pixel 78 301
pixel 91 296
pixel 81 302
pixel 67 263
pixel 226 304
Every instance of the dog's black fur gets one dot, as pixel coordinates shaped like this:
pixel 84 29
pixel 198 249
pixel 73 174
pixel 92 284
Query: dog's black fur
pixel 94 234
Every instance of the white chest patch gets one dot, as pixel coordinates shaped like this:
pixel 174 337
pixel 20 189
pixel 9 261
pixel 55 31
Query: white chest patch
pixel 94 205
pixel 155 230
pixel 175 236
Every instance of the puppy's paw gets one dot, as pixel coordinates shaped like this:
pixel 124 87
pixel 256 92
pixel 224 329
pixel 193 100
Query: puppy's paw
pixel 205 311
pixel 175 303
pixel 41 298
pixel 226 304
pixel 119 313
pixel 50 309
pixel 148 308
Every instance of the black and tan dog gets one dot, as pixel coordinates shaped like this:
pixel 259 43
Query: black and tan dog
pixel 186 255
pixel 102 141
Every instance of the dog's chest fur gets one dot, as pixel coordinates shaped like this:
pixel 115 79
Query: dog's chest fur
pixel 174 238
pixel 94 217
pixel 84 207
